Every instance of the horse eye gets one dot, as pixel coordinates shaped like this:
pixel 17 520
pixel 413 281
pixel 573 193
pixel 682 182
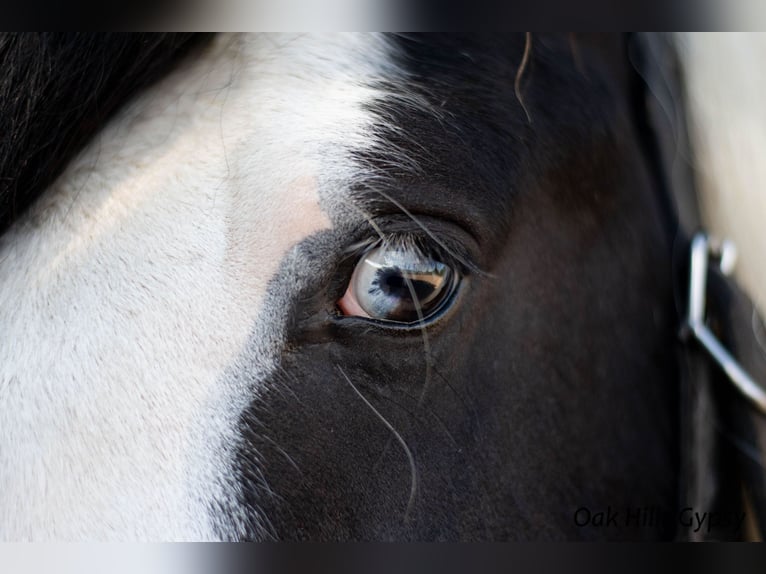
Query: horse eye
pixel 398 283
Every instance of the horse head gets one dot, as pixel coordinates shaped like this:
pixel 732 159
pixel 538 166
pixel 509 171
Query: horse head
pixel 345 287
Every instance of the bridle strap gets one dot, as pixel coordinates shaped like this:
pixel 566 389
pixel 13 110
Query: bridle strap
pixel 724 438
pixel 703 251
pixel 722 432
pixel 742 423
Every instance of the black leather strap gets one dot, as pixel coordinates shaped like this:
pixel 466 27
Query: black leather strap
pixel 740 425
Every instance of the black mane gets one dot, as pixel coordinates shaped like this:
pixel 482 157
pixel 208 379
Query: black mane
pixel 56 92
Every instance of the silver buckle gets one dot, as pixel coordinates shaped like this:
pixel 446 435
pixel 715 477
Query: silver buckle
pixel 701 251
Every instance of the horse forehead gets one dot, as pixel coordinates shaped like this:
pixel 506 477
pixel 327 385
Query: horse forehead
pixel 144 272
pixel 293 113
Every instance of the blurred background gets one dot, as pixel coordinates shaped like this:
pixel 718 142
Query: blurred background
pixel 725 76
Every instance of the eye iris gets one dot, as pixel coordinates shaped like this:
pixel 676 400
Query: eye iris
pixel 394 283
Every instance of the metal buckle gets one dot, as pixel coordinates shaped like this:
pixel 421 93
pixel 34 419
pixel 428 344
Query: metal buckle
pixel 702 250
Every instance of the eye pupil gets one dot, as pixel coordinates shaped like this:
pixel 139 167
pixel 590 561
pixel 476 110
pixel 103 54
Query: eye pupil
pixel 388 282
pixel 391 282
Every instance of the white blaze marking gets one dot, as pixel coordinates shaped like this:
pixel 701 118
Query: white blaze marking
pixel 137 280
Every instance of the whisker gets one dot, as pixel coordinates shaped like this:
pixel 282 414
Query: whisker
pixel 424 333
pixel 471 409
pixel 407 451
pixel 429 411
pixel 368 218
pixel 520 73
pixel 283 452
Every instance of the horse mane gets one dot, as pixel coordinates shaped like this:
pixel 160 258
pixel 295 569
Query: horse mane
pixel 57 90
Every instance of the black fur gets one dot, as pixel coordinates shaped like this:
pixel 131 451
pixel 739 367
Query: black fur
pixel 553 383
pixel 57 90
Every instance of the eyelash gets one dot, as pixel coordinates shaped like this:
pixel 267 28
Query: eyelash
pixel 442 248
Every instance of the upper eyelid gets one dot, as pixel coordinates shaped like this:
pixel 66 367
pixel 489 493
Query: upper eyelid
pixel 426 244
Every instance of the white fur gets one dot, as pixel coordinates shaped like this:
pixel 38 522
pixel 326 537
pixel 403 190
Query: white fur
pixel 726 87
pixel 137 280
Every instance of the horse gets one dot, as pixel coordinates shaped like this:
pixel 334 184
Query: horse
pixel 351 287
